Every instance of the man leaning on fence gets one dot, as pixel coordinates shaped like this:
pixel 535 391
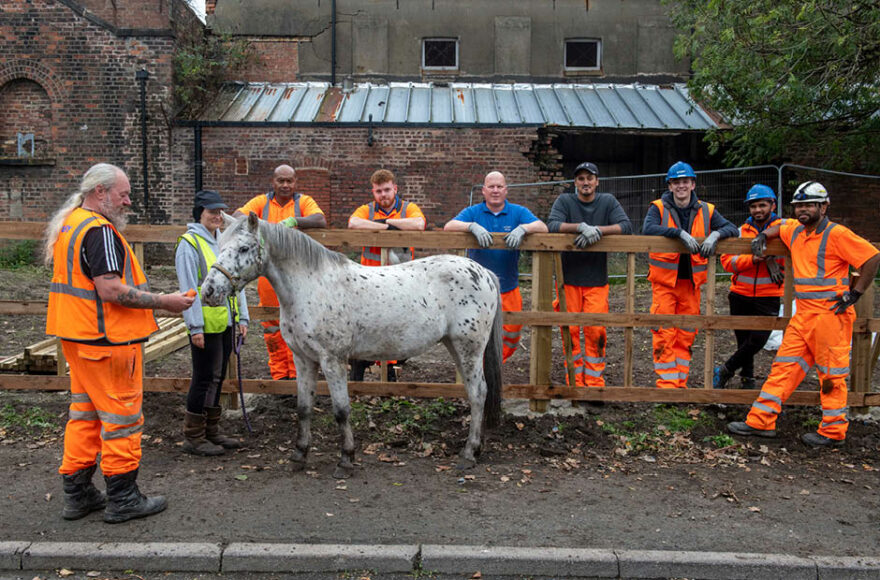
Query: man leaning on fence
pixel 676 278
pixel 100 307
pixel 591 216
pixel 820 332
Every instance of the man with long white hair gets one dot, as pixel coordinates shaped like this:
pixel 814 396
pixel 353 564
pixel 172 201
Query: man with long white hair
pixel 100 306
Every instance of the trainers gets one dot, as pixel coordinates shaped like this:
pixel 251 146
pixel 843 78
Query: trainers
pixel 720 377
pixel 742 428
pixel 815 440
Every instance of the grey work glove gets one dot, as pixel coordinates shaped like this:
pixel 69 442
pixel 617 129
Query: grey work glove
pixel 759 244
pixel 689 242
pixel 775 271
pixel 708 246
pixel 515 237
pixel 587 235
pixel 484 238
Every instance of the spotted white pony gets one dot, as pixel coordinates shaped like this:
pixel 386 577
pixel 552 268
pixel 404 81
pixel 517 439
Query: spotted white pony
pixel 333 310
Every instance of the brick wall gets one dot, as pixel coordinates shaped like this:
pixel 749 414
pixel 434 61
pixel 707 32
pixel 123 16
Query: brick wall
pixel 434 167
pixel 276 62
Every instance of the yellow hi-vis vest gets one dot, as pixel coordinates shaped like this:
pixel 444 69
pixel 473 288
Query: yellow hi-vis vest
pixel 216 318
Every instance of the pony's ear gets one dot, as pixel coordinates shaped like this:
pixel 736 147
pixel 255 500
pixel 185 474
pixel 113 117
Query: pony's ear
pixel 228 220
pixel 253 222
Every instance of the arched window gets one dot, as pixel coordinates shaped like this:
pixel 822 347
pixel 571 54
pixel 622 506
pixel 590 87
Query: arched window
pixel 27 110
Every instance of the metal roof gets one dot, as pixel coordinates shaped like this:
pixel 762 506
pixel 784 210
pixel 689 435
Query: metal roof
pixel 606 106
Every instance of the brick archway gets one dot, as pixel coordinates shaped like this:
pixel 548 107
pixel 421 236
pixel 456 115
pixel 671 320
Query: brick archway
pixel 34 71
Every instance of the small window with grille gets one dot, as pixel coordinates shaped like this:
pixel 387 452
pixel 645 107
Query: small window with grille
pixel 583 54
pixel 440 53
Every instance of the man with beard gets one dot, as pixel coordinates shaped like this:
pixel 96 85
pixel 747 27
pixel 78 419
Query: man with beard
pixel 100 307
pixel 821 254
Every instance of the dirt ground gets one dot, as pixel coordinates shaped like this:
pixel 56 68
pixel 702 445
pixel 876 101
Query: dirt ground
pixel 626 476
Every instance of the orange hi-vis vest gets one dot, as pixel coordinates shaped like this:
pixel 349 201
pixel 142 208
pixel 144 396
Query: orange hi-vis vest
pixel 751 278
pixel 270 196
pixel 817 276
pixel 372 256
pixel 76 312
pixel 663 266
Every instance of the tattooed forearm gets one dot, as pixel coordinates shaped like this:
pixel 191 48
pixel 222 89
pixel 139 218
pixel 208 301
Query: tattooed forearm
pixel 133 298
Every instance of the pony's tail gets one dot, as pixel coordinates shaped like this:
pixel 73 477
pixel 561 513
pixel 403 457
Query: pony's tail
pixel 492 358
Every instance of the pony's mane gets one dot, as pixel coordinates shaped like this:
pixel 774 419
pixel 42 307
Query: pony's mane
pixel 284 243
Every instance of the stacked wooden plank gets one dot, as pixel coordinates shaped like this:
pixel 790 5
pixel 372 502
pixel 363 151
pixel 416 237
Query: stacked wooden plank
pixel 42 357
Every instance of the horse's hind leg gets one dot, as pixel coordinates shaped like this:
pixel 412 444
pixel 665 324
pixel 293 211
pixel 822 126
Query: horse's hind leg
pixel 337 381
pixel 468 357
pixel 306 380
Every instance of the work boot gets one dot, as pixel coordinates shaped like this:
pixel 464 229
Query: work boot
pixel 816 440
pixel 126 502
pixel 748 382
pixel 720 377
pixel 194 436
pixel 742 428
pixel 81 497
pixel 212 430
pixel 392 374
pixel 358 368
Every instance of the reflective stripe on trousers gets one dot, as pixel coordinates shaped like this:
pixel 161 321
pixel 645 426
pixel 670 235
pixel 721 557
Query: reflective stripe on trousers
pixel 588 354
pixel 671 345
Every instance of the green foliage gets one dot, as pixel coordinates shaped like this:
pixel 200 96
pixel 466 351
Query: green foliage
pixel 32 419
pixel 720 441
pixel 403 416
pixel 202 63
pixel 18 254
pixel 811 423
pixel 674 418
pixel 796 78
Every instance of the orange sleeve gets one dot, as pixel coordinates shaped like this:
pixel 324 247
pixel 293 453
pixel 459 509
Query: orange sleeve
pixel 414 211
pixel 786 230
pixel 851 247
pixel 734 263
pixel 255 205
pixel 362 212
pixel 308 206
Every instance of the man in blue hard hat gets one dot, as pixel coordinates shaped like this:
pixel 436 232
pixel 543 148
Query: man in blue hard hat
pixel 675 277
pixel 755 289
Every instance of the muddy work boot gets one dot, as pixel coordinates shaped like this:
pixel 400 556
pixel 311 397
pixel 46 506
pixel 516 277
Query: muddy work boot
pixel 212 430
pixel 815 440
pixel 126 502
pixel 743 428
pixel 81 497
pixel 720 377
pixel 194 436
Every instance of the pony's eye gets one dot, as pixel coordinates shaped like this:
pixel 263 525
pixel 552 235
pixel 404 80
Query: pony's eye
pixel 243 250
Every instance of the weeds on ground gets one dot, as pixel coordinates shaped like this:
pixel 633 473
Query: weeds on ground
pixel 399 416
pixel 32 419
pixel 720 441
pixel 19 254
pixel 671 428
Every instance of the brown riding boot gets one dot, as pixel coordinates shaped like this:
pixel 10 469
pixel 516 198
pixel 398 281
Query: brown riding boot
pixel 212 430
pixel 194 436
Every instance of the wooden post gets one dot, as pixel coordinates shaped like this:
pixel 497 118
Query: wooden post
pixel 230 400
pixel 710 334
pixel 542 300
pixel 860 376
pixel 567 347
pixel 629 308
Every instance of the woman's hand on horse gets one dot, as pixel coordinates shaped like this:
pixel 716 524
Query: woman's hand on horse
pixel 198 340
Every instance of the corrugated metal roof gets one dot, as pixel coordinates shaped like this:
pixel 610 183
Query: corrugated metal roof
pixel 631 106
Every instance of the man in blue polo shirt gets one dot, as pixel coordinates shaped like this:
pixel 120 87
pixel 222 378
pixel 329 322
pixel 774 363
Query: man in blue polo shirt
pixel 495 214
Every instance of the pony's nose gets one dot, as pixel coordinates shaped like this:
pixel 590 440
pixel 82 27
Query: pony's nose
pixel 207 291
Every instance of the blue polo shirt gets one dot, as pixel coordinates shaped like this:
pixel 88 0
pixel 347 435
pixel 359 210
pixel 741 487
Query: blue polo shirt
pixel 505 263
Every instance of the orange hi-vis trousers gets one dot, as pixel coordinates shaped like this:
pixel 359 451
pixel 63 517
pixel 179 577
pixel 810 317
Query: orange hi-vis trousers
pixel 511 302
pixel 588 357
pixel 672 346
pixel 280 358
pixel 811 338
pixel 105 416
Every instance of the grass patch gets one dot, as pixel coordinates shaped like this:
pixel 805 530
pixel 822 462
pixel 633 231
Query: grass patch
pixel 720 441
pixel 18 254
pixel 401 416
pixel 31 419
pixel 676 419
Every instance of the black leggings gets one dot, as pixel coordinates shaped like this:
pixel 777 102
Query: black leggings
pixel 749 342
pixel 208 371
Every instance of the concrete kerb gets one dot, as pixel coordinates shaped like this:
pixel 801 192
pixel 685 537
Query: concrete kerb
pixel 429 559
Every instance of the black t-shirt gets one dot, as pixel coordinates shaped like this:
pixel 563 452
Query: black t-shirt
pixel 102 252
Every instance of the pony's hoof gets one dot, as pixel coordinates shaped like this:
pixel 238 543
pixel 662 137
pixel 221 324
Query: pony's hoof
pixel 465 464
pixel 343 472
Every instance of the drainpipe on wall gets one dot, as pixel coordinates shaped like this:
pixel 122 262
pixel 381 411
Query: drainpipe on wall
pixel 142 76
pixel 197 156
pixel 333 43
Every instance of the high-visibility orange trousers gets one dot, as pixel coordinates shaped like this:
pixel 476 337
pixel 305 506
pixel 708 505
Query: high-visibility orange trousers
pixel 588 357
pixel 105 416
pixel 672 346
pixel 280 357
pixel 511 302
pixel 820 339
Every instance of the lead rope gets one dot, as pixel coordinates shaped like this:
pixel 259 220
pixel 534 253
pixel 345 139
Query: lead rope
pixel 237 341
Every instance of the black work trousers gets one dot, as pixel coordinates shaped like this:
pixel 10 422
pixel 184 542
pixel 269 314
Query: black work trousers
pixel 749 342
pixel 208 370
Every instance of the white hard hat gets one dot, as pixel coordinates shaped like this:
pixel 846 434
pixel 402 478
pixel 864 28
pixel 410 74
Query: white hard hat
pixel 810 192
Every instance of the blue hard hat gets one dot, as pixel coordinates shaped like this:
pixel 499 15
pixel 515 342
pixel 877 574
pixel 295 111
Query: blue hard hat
pixel 680 169
pixel 759 191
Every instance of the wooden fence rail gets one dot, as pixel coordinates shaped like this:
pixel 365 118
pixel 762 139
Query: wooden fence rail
pixel 541 318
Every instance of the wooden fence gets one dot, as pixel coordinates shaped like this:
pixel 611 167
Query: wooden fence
pixel 540 318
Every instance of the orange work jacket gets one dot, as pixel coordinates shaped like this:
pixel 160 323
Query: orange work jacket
pixel 76 312
pixel 372 256
pixel 663 266
pixel 751 278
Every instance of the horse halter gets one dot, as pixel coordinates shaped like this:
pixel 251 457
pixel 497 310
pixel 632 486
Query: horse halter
pixel 225 272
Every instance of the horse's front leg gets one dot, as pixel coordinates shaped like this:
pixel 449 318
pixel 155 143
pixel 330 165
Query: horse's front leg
pixel 306 380
pixel 337 381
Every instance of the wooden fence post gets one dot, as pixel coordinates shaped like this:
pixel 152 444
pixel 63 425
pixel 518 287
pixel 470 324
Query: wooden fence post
pixel 567 347
pixel 629 308
pixel 541 355
pixel 861 363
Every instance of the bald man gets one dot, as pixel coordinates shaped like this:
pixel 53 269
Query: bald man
pixel 298 210
pixel 496 214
